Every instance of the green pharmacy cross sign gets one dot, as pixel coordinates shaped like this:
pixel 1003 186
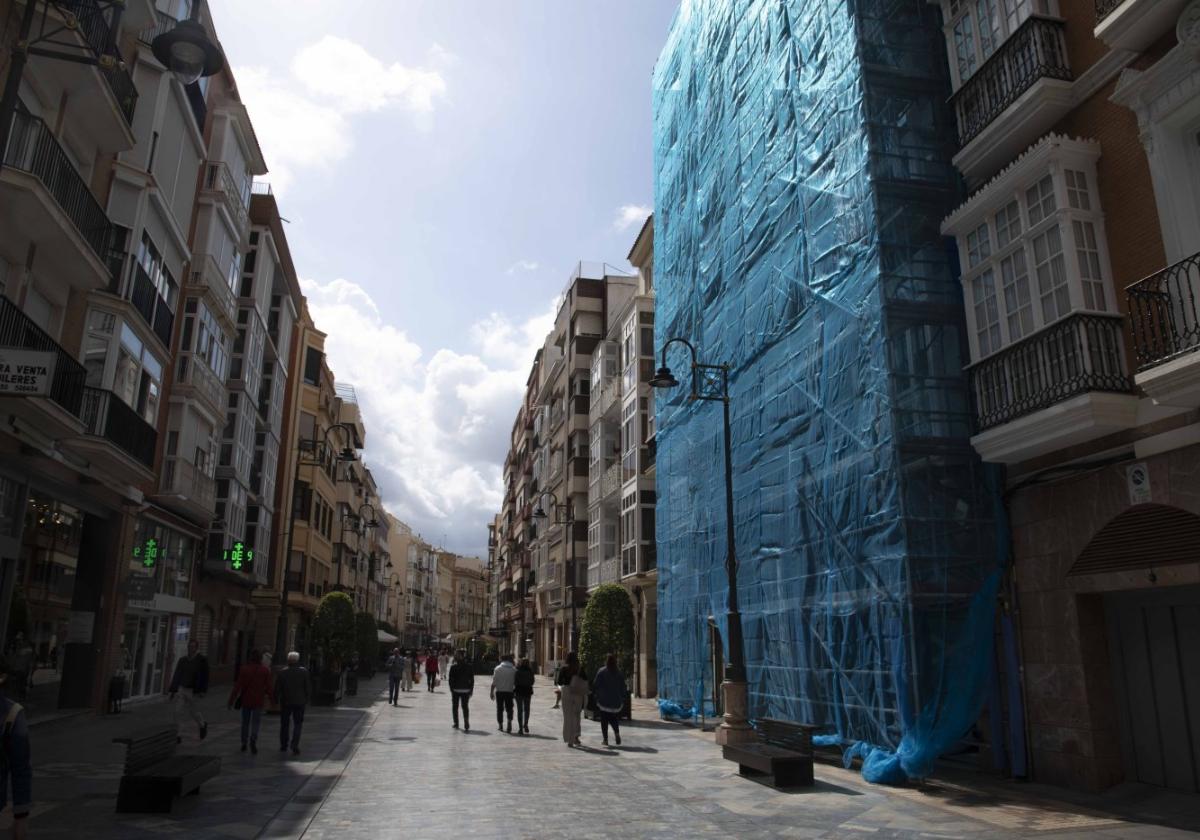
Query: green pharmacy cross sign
pixel 147 553
pixel 240 557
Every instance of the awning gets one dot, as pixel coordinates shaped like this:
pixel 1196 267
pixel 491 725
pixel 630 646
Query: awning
pixel 385 636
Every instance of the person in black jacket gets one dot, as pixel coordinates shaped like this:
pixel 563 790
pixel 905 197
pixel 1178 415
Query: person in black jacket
pixel 188 685
pixel 523 694
pixel 462 686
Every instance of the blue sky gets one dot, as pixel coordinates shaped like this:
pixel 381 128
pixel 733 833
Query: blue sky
pixel 443 165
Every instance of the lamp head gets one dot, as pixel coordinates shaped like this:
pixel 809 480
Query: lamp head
pixel 539 513
pixel 187 52
pixel 663 378
pixel 347 454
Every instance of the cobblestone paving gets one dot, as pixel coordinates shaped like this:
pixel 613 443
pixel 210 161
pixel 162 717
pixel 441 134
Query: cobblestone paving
pixel 412 775
pixel 368 770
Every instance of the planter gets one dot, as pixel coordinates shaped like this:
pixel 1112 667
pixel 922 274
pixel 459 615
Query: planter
pixel 331 687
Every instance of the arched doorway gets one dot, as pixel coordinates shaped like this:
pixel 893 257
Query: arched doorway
pixel 1153 634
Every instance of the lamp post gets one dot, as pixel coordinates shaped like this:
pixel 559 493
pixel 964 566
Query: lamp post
pixel 711 382
pixel 185 50
pixel 347 454
pixel 564 514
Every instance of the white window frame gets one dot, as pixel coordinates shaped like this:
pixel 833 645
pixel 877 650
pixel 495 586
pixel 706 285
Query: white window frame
pixel 1053 156
pixel 1009 15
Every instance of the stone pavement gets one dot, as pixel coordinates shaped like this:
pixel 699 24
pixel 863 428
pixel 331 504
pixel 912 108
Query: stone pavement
pixel 368 770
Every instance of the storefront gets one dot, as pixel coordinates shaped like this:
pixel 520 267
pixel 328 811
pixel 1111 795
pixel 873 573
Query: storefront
pixel 158 606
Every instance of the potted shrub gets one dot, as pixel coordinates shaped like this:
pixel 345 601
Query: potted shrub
pixel 607 628
pixel 333 631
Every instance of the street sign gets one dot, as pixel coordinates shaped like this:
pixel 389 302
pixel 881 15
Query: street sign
pixel 26 372
pixel 140 587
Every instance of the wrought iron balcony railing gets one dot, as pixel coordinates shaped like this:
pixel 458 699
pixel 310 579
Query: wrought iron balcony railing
pixel 220 180
pixel 17 330
pixel 1165 314
pixel 94 28
pixel 1079 354
pixel 1104 8
pixel 33 149
pixel 1037 50
pixel 106 415
pixel 154 310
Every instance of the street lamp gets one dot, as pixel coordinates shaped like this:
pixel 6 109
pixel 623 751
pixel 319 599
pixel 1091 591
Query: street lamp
pixel 711 382
pixel 187 50
pixel 564 514
pixel 346 454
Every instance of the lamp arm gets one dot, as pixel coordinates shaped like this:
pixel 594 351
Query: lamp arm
pixel 685 343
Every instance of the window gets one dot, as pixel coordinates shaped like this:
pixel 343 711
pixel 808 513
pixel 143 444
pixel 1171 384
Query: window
pixel 151 262
pixel 138 377
pixel 211 342
pixel 977 28
pixel 1034 252
pixel 312 366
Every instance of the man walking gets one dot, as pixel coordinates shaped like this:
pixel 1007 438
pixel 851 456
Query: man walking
pixel 462 686
pixel 431 668
pixel 291 693
pixel 188 685
pixel 504 683
pixel 395 668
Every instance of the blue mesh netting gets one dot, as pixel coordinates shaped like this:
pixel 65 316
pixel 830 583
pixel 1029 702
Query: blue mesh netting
pixel 801 173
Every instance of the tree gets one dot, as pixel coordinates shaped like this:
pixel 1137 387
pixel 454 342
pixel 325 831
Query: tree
pixel 607 628
pixel 367 638
pixel 333 628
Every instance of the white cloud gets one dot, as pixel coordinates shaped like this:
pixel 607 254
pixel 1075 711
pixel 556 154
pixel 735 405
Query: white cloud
pixel 304 121
pixel 437 424
pixel 357 81
pixel 629 215
pixel 522 265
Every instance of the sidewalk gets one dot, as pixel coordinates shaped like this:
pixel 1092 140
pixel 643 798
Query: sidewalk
pixel 77 770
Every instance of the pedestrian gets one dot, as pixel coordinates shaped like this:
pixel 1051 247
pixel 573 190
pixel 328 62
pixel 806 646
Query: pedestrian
pixel 395 668
pixel 609 688
pixel 574 684
pixel 462 686
pixel 292 689
pixel 410 668
pixel 431 668
pixel 504 681
pixel 443 662
pixel 189 684
pixel 523 694
pixel 250 694
pixel 15 765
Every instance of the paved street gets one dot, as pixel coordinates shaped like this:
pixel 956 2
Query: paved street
pixel 368 770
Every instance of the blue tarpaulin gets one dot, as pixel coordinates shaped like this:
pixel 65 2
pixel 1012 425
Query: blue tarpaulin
pixel 802 168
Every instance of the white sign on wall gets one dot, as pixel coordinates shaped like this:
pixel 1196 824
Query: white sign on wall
pixel 1138 479
pixel 26 372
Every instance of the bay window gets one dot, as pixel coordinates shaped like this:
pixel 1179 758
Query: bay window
pixel 976 28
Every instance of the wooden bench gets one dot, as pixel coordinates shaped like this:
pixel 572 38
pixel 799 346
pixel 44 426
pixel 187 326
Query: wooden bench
pixel 783 754
pixel 155 775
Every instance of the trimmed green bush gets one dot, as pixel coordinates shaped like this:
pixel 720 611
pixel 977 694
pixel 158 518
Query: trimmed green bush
pixel 333 629
pixel 607 628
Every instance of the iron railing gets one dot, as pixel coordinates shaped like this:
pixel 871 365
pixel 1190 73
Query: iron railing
pixel 1164 313
pixel 1079 354
pixel 220 180
pixel 93 27
pixel 33 149
pixel 1037 50
pixel 163 24
pixel 151 305
pixel 1104 8
pixel 107 416
pixel 17 330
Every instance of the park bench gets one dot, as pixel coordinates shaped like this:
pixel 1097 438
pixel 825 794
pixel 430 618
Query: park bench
pixel 783 753
pixel 155 775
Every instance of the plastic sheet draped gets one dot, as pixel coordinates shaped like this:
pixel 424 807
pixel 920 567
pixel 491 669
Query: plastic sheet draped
pixel 801 173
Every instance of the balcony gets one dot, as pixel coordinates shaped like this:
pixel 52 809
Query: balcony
pixel 218 179
pixel 1135 24
pixel 610 482
pixel 187 489
pixel 58 412
pixel 195 380
pixel 1018 95
pixel 154 310
pixel 43 200
pixel 1165 318
pixel 1058 387
pixel 207 278
pixel 117 440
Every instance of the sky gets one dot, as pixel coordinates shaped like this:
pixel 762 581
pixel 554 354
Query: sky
pixel 443 165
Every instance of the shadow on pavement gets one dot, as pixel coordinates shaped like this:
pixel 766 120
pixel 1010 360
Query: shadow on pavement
pixel 597 750
pixel 624 748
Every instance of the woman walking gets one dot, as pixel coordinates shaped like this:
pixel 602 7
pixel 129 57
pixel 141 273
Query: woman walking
pixel 431 669
pixel 523 694
pixel 252 688
pixel 574 684
pixel 609 688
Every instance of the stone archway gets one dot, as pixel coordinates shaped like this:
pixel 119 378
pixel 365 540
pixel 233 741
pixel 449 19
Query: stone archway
pixel 1143 537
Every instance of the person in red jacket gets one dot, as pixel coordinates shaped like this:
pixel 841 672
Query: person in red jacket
pixel 253 687
pixel 431 668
